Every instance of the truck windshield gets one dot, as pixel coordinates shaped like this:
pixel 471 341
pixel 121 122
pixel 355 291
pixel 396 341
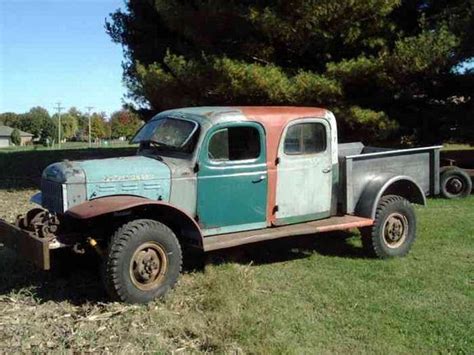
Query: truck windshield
pixel 168 134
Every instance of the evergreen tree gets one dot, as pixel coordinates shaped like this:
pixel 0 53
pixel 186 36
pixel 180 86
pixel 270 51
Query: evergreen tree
pixel 382 66
pixel 15 137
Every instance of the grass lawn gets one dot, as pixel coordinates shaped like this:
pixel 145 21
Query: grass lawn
pixel 312 294
pixel 455 146
pixel 67 145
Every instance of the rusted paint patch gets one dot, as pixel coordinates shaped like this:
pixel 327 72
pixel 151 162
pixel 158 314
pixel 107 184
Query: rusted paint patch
pixel 105 205
pixel 188 227
pixel 117 203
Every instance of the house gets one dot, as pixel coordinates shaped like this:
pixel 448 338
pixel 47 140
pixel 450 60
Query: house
pixel 5 137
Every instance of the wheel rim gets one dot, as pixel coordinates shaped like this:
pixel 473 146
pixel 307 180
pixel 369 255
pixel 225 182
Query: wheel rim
pixel 395 230
pixel 148 266
pixel 454 185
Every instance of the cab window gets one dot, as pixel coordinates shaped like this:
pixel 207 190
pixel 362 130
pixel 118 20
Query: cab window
pixel 234 143
pixel 305 138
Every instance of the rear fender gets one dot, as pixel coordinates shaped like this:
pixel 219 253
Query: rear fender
pixel 183 225
pixel 387 184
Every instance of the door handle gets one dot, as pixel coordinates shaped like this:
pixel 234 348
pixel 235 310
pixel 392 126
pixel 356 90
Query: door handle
pixel 260 178
pixel 326 170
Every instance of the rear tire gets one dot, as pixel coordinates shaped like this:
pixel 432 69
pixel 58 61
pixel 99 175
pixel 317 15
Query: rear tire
pixel 455 183
pixel 143 262
pixel 394 228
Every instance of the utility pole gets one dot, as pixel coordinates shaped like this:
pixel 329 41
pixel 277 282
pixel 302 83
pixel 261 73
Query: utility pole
pixel 89 108
pixel 59 108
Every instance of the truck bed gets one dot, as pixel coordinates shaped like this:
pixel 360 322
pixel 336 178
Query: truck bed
pixel 359 164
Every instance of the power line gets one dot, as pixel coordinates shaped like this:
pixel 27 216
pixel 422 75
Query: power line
pixel 59 108
pixel 89 108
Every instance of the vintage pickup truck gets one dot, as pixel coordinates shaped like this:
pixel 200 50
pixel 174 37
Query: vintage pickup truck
pixel 208 178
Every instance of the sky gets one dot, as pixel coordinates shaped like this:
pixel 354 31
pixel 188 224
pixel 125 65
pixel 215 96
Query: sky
pixel 57 51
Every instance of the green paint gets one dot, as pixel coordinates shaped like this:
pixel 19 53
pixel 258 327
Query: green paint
pixel 138 176
pixel 231 194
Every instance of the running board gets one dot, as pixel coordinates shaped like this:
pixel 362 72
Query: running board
pixel 223 241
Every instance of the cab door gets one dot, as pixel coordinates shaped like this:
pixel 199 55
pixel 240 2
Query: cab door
pixel 232 179
pixel 304 178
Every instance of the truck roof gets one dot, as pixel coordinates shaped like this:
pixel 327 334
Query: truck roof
pixel 269 116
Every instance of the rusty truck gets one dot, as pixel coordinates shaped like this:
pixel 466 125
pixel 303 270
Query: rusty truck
pixel 208 178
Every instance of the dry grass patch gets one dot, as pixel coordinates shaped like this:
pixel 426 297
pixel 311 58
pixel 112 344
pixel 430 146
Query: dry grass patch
pixel 303 295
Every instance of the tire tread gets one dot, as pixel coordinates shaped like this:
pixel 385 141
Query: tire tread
pixel 446 174
pixel 369 235
pixel 118 242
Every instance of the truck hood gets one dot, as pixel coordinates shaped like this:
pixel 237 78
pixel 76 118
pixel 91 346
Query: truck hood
pixel 136 175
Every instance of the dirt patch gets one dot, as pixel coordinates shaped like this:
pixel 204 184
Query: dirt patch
pixel 13 203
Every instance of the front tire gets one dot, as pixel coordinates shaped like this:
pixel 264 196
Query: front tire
pixel 143 262
pixel 394 228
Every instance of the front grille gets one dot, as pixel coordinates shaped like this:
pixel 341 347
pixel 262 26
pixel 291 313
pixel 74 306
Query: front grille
pixel 52 196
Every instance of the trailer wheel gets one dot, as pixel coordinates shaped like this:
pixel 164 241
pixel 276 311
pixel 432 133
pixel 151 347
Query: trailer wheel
pixel 143 262
pixel 455 183
pixel 394 228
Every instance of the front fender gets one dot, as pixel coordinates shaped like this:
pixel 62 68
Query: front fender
pixel 388 184
pixel 184 226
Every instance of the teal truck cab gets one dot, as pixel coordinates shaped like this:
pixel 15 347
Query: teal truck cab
pixel 209 178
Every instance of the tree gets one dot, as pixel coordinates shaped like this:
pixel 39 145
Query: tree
pixel 9 119
pixel 69 126
pixel 98 126
pixel 124 123
pixel 34 120
pixel 49 132
pixel 15 137
pixel 382 66
pixel 82 120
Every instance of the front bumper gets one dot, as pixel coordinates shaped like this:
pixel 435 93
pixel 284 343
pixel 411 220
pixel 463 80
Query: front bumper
pixel 28 247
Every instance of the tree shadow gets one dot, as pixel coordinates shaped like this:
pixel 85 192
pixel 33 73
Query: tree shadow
pixel 340 244
pixel 77 280
pixel 73 278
